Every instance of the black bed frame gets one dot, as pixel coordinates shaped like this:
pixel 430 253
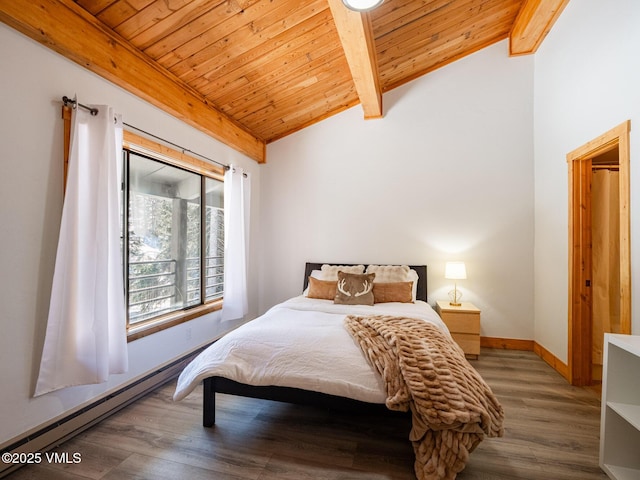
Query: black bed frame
pixel 297 395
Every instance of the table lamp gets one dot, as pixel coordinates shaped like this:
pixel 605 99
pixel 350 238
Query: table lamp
pixel 455 271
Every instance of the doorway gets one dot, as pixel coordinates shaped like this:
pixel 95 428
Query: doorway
pixel 599 250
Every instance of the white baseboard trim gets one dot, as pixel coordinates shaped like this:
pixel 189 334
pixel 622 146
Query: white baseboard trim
pixel 51 435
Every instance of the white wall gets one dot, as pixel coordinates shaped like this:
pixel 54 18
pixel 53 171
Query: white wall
pixel 467 161
pixel 587 78
pixel 32 82
pixel 447 174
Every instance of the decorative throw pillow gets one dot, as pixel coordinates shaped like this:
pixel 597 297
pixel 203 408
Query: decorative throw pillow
pixel 322 289
pixel 330 272
pixel 315 274
pixel 393 292
pixel 354 289
pixel 389 273
pixel 395 273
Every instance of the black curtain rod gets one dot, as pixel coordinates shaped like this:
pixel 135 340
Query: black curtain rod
pixel 182 149
pixel 74 104
pixel 94 111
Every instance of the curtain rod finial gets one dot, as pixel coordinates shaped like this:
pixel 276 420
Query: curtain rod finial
pixel 74 104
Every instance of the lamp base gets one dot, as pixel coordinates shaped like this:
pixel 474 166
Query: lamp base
pixel 454 298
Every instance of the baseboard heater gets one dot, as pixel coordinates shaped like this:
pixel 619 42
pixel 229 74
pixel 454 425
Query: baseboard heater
pixel 56 433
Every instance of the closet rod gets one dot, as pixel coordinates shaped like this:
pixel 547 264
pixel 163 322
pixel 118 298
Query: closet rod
pixel 603 166
pixel 94 111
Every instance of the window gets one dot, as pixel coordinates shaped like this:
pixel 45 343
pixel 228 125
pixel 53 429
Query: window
pixel 173 231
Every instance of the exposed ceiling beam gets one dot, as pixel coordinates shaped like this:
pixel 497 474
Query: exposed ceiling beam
pixel 356 35
pixel 68 29
pixel 533 23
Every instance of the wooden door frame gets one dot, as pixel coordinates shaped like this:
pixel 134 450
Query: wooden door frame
pixel 579 163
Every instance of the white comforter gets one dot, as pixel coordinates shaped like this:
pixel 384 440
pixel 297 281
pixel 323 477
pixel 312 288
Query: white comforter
pixel 300 343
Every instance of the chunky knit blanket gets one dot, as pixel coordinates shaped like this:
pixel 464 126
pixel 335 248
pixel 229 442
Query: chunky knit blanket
pixel 425 371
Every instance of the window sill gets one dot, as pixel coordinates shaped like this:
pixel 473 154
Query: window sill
pixel 169 320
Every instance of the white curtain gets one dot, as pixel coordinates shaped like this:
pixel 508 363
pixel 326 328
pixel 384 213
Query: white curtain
pixel 86 338
pixel 237 196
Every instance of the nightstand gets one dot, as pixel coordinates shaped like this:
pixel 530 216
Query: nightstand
pixel 464 324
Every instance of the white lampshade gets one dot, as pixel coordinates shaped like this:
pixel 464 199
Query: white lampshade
pixel 362 5
pixel 455 271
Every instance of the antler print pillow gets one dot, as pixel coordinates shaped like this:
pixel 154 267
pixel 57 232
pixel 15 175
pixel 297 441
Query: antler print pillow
pixel 354 289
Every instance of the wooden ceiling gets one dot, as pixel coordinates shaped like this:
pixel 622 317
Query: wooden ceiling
pixel 252 71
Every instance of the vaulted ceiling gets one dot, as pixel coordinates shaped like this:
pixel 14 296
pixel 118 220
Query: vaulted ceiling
pixel 249 72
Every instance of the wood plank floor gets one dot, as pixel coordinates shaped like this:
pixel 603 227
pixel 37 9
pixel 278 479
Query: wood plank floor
pixel 551 432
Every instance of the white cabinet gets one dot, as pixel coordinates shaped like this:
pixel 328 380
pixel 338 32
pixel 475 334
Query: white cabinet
pixel 620 420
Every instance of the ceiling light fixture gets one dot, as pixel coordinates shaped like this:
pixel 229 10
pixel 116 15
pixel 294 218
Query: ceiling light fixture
pixel 362 5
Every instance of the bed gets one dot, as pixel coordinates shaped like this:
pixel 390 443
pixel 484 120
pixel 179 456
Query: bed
pixel 323 352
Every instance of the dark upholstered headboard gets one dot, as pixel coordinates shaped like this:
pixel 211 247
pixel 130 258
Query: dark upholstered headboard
pixel 421 270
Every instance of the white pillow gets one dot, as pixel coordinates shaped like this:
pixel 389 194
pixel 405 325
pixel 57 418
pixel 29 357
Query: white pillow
pixel 330 272
pixel 316 274
pixel 389 273
pixel 395 273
